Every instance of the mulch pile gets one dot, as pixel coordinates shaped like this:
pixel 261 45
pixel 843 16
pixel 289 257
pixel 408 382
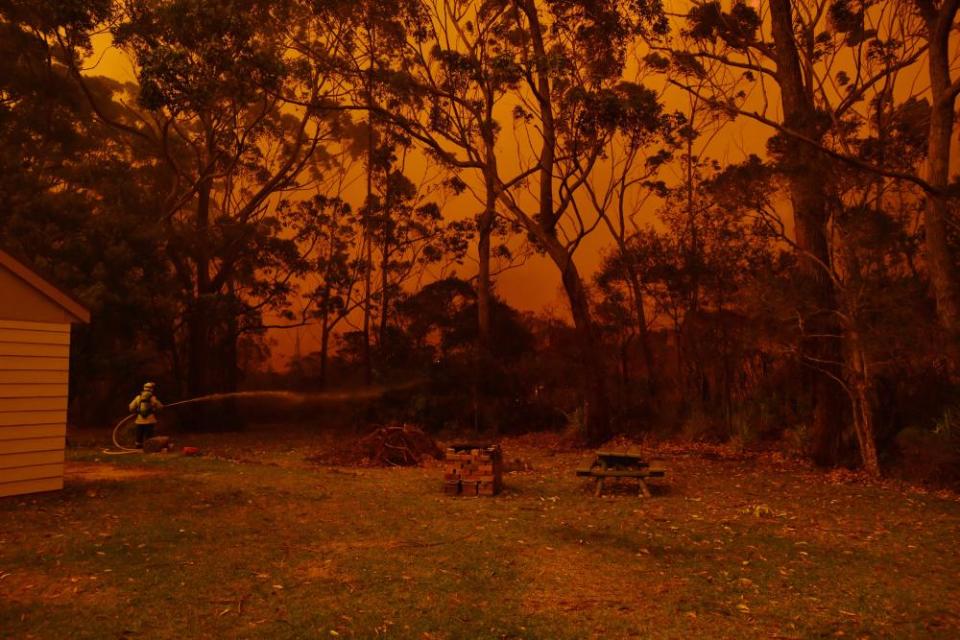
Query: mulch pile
pixel 400 445
pixel 393 445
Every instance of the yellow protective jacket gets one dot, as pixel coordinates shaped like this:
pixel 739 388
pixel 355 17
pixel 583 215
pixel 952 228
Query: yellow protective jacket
pixel 155 405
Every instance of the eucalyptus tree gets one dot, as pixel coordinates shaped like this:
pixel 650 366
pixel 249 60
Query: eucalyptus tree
pixel 937 29
pixel 549 68
pixel 882 312
pixel 76 197
pixel 454 79
pixel 331 235
pixel 429 72
pixel 643 145
pixel 371 38
pixel 472 74
pixel 217 103
pixel 626 139
pixel 572 57
pixel 806 69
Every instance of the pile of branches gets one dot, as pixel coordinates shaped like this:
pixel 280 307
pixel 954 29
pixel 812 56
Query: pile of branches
pixel 397 445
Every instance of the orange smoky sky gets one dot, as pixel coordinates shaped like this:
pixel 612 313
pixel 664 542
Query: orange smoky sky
pixel 535 285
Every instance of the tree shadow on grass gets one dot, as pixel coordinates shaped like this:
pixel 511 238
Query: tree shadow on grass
pixel 630 487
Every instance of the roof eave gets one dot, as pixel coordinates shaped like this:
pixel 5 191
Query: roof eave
pixel 79 312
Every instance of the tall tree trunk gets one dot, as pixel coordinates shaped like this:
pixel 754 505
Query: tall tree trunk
pixel 862 401
pixel 230 374
pixel 228 414
pixel 367 313
pixel 176 362
pixel 368 230
pixel 593 380
pixel 485 224
pixel 483 369
pixel 325 327
pixel 866 436
pixel 384 289
pixel 807 180
pixel 484 230
pixel 199 324
pixel 822 346
pixel 646 348
pixel 625 365
pixel 596 409
pixel 483 414
pixel 940 259
pixel 324 348
pixel 545 101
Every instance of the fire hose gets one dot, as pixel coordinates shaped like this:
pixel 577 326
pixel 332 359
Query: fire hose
pixel 121 449
pixel 289 396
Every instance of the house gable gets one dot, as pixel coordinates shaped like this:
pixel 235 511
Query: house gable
pixel 26 296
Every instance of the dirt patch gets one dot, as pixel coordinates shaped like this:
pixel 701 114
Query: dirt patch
pixel 327 570
pixel 575 581
pixel 93 472
pixel 32 587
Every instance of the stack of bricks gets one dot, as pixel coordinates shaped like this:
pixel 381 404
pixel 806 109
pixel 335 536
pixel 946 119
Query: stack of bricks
pixel 473 470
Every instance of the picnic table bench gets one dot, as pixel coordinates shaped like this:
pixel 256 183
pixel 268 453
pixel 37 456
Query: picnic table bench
pixel 623 464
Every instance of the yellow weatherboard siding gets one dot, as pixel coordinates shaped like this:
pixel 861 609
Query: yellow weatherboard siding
pixel 35 324
pixel 34 363
pixel 33 486
pixel 27 363
pixel 33 377
pixel 32 472
pixel 32 443
pixel 34 350
pixel 33 404
pixel 32 431
pixel 15 418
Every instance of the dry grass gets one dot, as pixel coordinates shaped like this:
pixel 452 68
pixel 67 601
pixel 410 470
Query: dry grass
pixel 252 541
pixel 90 473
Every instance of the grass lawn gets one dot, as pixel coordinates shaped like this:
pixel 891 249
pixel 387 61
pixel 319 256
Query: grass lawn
pixel 252 541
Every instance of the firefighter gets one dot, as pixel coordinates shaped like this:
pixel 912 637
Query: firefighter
pixel 145 406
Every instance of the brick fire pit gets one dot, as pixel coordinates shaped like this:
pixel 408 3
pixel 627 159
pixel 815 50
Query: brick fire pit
pixel 473 470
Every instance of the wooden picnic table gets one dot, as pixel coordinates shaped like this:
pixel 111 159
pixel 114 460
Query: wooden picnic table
pixel 626 463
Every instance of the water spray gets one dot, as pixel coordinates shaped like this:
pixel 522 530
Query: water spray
pixel 369 393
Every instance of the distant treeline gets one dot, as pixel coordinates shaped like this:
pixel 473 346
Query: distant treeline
pixel 809 295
